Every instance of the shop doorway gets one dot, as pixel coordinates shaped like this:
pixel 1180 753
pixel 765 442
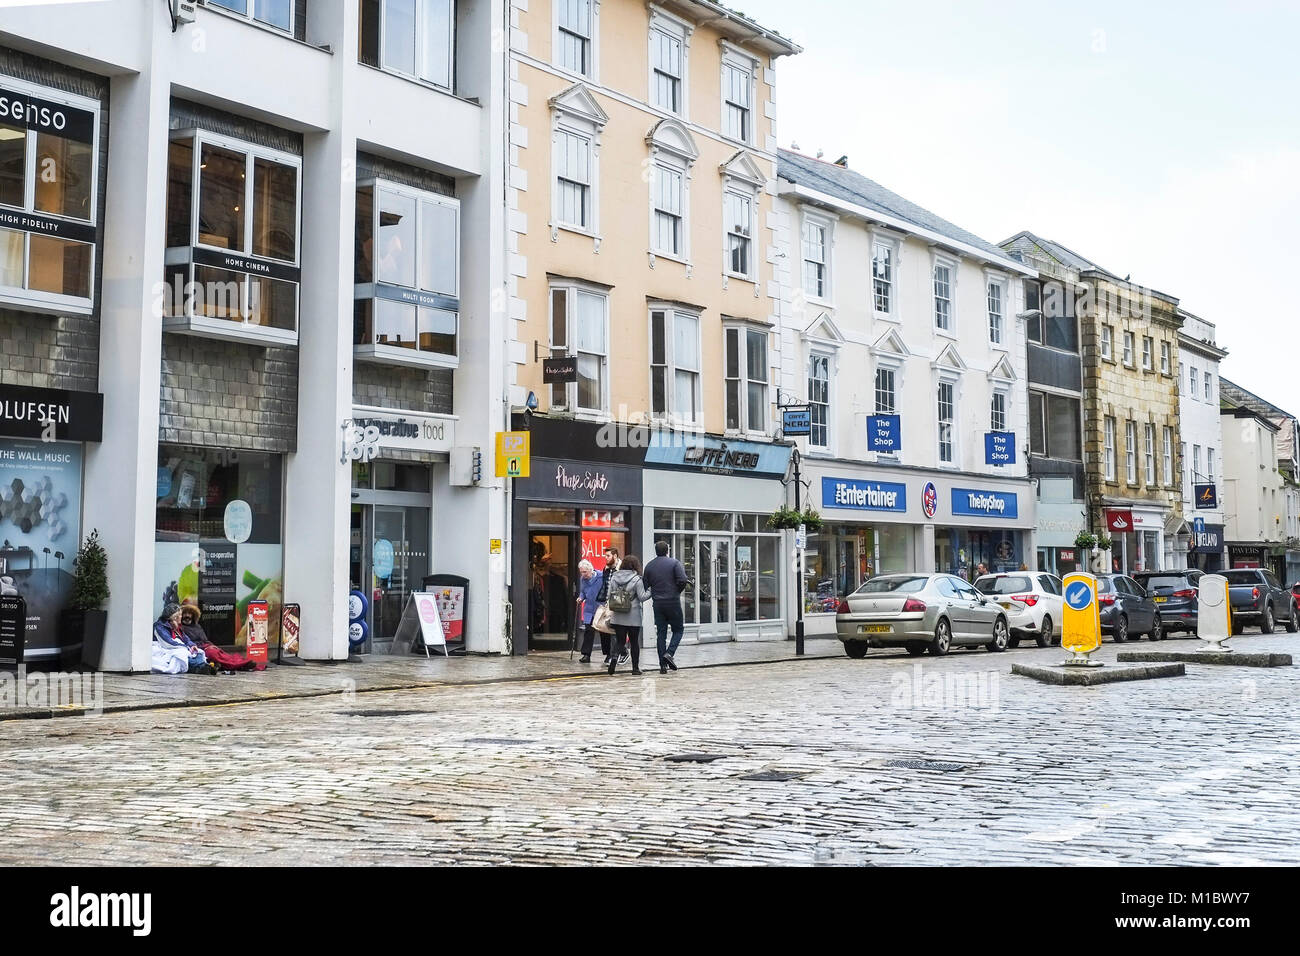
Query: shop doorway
pixel 552 597
pixel 716 607
pixel 391 551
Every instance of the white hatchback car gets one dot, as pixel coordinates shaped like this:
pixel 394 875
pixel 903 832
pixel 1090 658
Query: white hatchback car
pixel 1032 600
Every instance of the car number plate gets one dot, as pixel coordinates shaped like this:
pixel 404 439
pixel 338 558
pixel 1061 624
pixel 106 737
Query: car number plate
pixel 1161 600
pixel 874 628
pixel 1006 604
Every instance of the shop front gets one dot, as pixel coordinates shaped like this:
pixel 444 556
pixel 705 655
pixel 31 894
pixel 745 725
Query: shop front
pixel 583 493
pixel 1249 555
pixel 1060 519
pixel 884 520
pixel 1138 536
pixel 42 443
pixel 710 499
pixel 1206 552
pixel 392 545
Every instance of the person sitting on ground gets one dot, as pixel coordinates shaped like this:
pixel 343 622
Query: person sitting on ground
pixel 173 652
pixel 225 661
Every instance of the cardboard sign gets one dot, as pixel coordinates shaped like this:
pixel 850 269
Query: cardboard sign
pixel 1080 614
pixel 259 619
pixel 290 625
pixel 1214 618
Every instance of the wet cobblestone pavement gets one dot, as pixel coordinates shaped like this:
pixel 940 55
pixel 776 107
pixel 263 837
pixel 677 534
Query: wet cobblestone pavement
pixel 876 761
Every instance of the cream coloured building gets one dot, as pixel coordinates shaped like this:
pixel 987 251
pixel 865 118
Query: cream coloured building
pixel 642 156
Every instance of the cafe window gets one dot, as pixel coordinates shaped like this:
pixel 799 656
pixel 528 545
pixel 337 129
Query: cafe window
pixel 48 198
pixel 407 275
pixel 413 37
pixel 732 562
pixel 232 265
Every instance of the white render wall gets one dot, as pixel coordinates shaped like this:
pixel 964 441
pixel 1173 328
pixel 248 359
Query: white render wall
pixel 1253 492
pixel 1199 420
pixel 847 327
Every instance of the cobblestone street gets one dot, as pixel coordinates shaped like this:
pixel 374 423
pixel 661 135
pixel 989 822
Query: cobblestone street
pixel 1201 769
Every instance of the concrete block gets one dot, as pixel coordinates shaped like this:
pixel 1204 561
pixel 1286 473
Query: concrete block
pixel 1088 676
pixel 1208 657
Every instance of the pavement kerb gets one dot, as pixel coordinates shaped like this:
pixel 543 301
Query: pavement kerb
pixel 47 713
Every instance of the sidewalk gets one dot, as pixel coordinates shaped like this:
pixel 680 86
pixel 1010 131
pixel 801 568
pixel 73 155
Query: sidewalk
pixel 123 692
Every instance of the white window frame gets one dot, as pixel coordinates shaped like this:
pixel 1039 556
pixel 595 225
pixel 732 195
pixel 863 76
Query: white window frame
pixel 1207 381
pixel 745 376
pixel 679 30
pixel 827 225
pixel 893 245
pixel 577 114
pixel 673 150
pixel 943 262
pixel 895 365
pixel 1166 358
pixel 828 357
pixel 991 282
pixel 1109 450
pixel 420 74
pixel 1127 357
pixel 951 382
pixel 1209 463
pixel 1194 383
pixel 1196 463
pixel 668 165
pixel 1168 456
pixel 20 297
pixel 205 326
pixel 593 41
pixel 735 58
pixel 1149 442
pixel 999 397
pixel 247 16
pixel 395 355
pixel 736 189
pixel 1107 342
pixel 569 348
pixel 670 413
pixel 1148 353
pixel 1130 452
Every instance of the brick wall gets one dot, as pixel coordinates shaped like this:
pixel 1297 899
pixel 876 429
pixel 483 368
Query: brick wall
pixel 45 350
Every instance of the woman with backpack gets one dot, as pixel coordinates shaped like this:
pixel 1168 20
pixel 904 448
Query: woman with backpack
pixel 627 592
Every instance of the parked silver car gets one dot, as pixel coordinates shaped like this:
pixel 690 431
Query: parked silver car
pixel 921 612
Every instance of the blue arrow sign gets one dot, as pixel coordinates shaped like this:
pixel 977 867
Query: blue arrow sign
pixel 1078 596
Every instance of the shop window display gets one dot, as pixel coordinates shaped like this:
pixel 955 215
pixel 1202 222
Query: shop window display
pixel 732 563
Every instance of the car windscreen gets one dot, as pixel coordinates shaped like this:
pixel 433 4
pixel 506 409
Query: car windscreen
pixel 1242 577
pixel 899 584
pixel 1161 581
pixel 1011 584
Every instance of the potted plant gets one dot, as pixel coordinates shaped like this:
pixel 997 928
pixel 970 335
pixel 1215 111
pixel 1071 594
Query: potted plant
pixel 1104 542
pixel 85 620
pixel 788 519
pixel 1085 541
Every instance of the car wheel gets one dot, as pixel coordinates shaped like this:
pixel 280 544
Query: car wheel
pixel 1157 632
pixel 856 649
pixel 1292 624
pixel 916 648
pixel 1000 636
pixel 1237 627
pixel 1121 629
pixel 1045 632
pixel 1266 622
pixel 942 638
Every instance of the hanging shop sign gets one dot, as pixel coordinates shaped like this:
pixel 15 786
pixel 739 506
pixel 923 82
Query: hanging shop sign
pixel 863 495
pixel 884 433
pixel 999 448
pixel 1119 520
pixel 705 454
pixel 1207 538
pixel 51 414
pixel 1207 496
pixel 559 371
pixel 796 421
pixel 985 504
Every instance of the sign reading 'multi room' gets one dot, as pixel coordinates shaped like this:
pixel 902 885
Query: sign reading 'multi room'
pixel 31 412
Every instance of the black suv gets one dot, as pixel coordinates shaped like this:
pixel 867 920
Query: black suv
pixel 1174 594
pixel 1257 598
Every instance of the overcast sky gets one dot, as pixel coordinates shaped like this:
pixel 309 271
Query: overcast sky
pixel 1159 139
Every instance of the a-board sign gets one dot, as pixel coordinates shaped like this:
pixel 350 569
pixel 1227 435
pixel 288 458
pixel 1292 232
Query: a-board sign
pixel 420 619
pixel 259 623
pixel 1081 617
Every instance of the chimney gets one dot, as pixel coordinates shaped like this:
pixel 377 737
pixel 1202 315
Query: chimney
pixel 843 162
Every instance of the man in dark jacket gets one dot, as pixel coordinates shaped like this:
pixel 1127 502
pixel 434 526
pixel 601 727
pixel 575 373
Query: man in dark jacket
pixel 666 579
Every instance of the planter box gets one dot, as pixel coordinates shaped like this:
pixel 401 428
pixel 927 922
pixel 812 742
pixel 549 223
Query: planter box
pixel 83 632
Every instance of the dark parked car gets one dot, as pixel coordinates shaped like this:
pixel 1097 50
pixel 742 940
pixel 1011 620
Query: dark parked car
pixel 1258 600
pixel 1126 609
pixel 1174 593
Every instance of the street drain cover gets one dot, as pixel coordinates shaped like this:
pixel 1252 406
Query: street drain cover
pixel 936 765
pixel 383 713
pixel 497 740
pixel 694 758
pixel 775 775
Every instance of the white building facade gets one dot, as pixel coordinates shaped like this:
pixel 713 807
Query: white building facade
pixel 900 332
pixel 1201 429
pixel 278 222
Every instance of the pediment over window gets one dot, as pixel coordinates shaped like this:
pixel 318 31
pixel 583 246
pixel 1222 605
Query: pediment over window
pixel 890 345
pixel 743 167
pixel 671 136
pixel 949 360
pixel 824 331
pixel 1002 372
pixel 578 101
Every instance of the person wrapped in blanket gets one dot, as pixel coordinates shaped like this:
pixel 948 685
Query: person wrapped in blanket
pixel 225 661
pixel 173 652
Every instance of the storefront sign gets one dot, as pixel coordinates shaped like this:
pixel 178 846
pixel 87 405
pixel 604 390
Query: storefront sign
pixel 796 421
pixel 46 116
pixel 27 412
pixel 559 371
pixel 582 482
pixel 238 521
pixel 1207 497
pixel 714 456
pixel 999 448
pixel 1245 556
pixel 238 262
pixel 1207 538
pixel 46 225
pixel 929 499
pixel 991 504
pixel 425 300
pixel 407 431
pixel 884 433
pixel 863 495
pixel 1119 520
